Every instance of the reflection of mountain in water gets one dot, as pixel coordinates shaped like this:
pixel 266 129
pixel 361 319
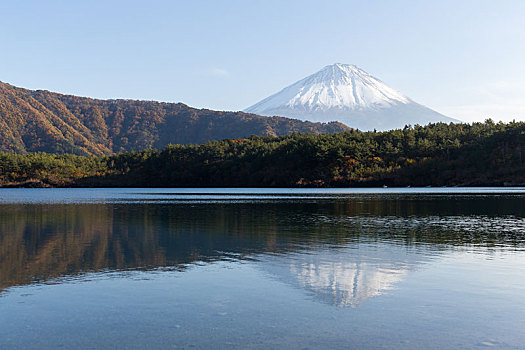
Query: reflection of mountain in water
pixel 347 277
pixel 345 283
pixel 343 251
pixel 42 242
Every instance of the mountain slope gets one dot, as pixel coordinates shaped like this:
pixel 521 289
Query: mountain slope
pixel 32 121
pixel 350 95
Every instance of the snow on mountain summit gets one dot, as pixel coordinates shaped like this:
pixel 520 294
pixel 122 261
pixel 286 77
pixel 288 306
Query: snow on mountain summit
pixel 335 86
pixel 350 95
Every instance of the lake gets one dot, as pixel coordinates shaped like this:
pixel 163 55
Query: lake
pixel 411 268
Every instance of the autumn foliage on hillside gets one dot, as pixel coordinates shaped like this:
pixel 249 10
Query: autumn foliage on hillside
pixel 42 121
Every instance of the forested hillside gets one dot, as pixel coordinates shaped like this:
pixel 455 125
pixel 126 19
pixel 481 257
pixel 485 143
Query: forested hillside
pixel 479 154
pixel 42 121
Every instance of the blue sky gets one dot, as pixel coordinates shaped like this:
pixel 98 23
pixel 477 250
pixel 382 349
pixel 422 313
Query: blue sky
pixel 463 58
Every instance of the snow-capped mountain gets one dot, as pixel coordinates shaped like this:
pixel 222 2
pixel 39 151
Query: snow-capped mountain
pixel 348 94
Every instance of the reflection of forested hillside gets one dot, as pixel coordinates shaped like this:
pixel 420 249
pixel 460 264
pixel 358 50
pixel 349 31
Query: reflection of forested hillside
pixel 40 242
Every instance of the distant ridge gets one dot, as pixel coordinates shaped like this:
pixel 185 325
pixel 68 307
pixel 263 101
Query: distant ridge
pixel 347 94
pixel 33 121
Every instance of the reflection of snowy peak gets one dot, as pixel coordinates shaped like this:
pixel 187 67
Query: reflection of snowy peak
pixel 348 284
pixel 347 94
pixel 346 277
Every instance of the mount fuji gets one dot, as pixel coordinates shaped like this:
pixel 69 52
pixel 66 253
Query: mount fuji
pixel 348 94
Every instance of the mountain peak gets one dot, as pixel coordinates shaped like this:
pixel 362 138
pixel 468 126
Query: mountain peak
pixel 340 86
pixel 343 67
pixel 346 93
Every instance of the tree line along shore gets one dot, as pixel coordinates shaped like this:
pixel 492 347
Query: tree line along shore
pixel 477 154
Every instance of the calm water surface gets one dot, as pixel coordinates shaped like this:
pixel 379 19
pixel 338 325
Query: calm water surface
pixel 256 268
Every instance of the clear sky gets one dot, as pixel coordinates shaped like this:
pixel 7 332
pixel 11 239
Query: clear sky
pixel 465 59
